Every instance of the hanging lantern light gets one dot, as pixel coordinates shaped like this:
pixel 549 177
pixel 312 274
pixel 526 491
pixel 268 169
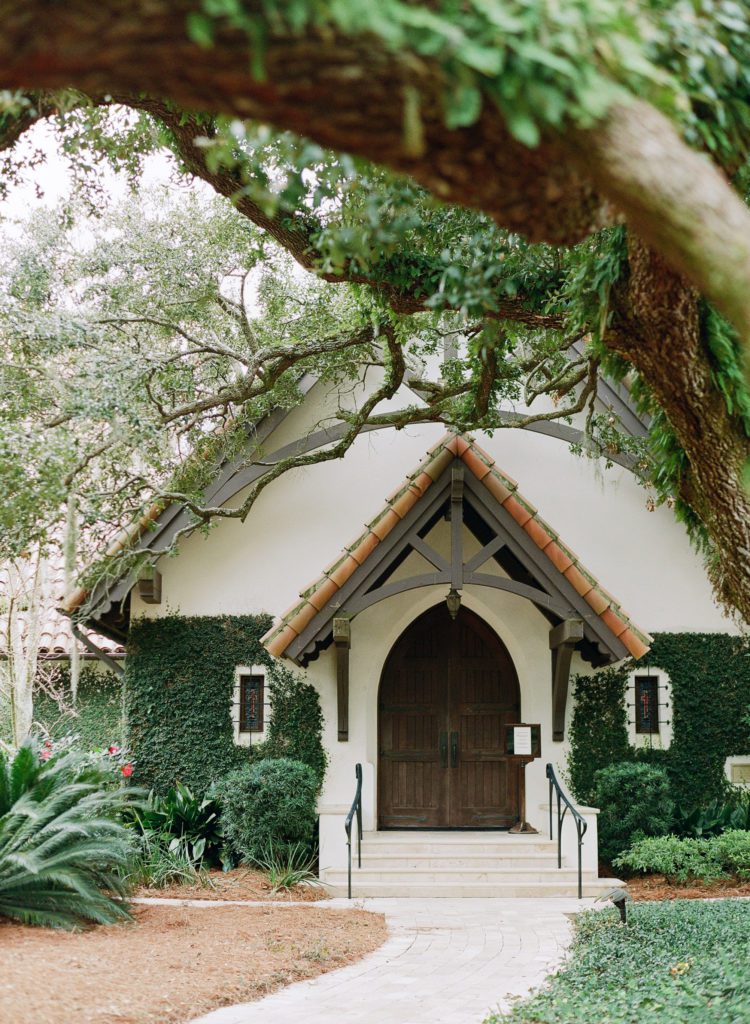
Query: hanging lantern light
pixel 453 600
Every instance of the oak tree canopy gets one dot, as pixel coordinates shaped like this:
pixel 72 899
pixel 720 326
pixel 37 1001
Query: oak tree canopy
pixel 562 185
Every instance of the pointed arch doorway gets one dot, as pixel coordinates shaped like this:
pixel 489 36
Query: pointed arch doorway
pixel 447 690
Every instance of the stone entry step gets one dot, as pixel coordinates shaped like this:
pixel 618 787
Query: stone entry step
pixel 472 890
pixel 460 864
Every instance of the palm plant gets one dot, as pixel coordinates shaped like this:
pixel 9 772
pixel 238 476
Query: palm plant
pixel 62 842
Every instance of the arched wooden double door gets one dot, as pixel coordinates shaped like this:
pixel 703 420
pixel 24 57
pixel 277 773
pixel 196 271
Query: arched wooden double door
pixel 447 690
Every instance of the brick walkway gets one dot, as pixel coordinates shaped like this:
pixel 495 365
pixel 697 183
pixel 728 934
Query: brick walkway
pixel 447 961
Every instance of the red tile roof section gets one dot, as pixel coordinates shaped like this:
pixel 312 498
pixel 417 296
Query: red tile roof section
pixel 56 638
pixel 505 491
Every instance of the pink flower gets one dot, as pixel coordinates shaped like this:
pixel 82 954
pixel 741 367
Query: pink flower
pixel 114 749
pixel 127 770
pixel 48 744
pixel 45 755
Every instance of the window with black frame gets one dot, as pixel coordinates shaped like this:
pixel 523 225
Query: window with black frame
pixel 646 704
pixel 251 702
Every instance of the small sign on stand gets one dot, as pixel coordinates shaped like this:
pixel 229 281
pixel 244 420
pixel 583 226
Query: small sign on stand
pixel 523 743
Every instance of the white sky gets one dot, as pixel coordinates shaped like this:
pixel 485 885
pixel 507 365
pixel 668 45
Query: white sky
pixel 52 179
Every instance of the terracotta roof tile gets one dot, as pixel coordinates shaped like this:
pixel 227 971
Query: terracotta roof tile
pixel 597 600
pixel 365 547
pixel 577 580
pixel 505 490
pixel 497 487
pixel 613 621
pixel 56 637
pixel 478 467
pixel 320 597
pixel 538 533
pixel 517 509
pixel 385 523
pixel 343 571
pixel 558 556
pixel 405 502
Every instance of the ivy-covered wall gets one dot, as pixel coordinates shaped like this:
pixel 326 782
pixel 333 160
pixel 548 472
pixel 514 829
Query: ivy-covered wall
pixel 710 677
pixel 179 688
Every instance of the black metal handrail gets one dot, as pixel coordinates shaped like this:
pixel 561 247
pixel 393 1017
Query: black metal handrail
pixel 356 808
pixel 581 823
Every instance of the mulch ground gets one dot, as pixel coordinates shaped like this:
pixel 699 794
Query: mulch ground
pixel 240 884
pixel 656 887
pixel 172 964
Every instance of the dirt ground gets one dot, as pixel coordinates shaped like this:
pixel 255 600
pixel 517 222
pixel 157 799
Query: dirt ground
pixel 240 884
pixel 656 887
pixel 172 963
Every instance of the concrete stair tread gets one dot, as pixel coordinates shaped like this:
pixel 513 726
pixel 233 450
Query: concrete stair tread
pixel 508 890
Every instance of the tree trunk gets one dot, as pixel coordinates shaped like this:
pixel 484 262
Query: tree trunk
pixel 660 336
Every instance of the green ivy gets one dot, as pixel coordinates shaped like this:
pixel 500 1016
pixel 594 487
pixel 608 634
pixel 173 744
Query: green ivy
pixel 598 729
pixel 179 689
pixel 710 677
pixel 94 722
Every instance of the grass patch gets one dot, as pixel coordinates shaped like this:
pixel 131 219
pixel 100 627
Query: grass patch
pixel 673 962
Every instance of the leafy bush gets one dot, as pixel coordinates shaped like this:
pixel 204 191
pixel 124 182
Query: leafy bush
pixel 191 820
pixel 180 676
pixel 716 817
pixel 733 849
pixel 683 960
pixel 273 801
pixel 679 860
pixel 634 801
pixel 685 859
pixel 63 847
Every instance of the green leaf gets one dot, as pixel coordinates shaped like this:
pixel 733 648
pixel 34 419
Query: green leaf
pixel 463 106
pixel 200 28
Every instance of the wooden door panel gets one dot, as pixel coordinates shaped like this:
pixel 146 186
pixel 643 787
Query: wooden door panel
pixel 443 678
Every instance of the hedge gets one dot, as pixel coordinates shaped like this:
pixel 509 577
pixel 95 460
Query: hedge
pixel 710 677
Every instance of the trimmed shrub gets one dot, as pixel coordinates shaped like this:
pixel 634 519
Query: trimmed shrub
pixel 733 849
pixel 271 802
pixel 679 860
pixel 634 802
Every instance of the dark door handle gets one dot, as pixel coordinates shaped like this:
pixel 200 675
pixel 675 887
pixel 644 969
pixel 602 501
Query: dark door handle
pixel 443 749
pixel 454 749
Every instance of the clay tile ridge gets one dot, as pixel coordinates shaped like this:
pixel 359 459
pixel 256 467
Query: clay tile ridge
pixel 505 490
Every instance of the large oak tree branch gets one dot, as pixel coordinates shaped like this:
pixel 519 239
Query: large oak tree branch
pixel 349 94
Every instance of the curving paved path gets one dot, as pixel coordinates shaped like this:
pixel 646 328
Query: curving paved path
pixel 447 961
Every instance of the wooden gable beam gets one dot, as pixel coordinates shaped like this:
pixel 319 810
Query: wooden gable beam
pixel 342 639
pixel 562 641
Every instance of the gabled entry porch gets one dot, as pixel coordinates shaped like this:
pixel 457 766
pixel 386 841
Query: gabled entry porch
pixel 457 613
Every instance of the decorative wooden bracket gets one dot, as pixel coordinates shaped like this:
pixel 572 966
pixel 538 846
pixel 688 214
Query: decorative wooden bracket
pixel 342 639
pixel 149 586
pixel 562 641
pixel 457 525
